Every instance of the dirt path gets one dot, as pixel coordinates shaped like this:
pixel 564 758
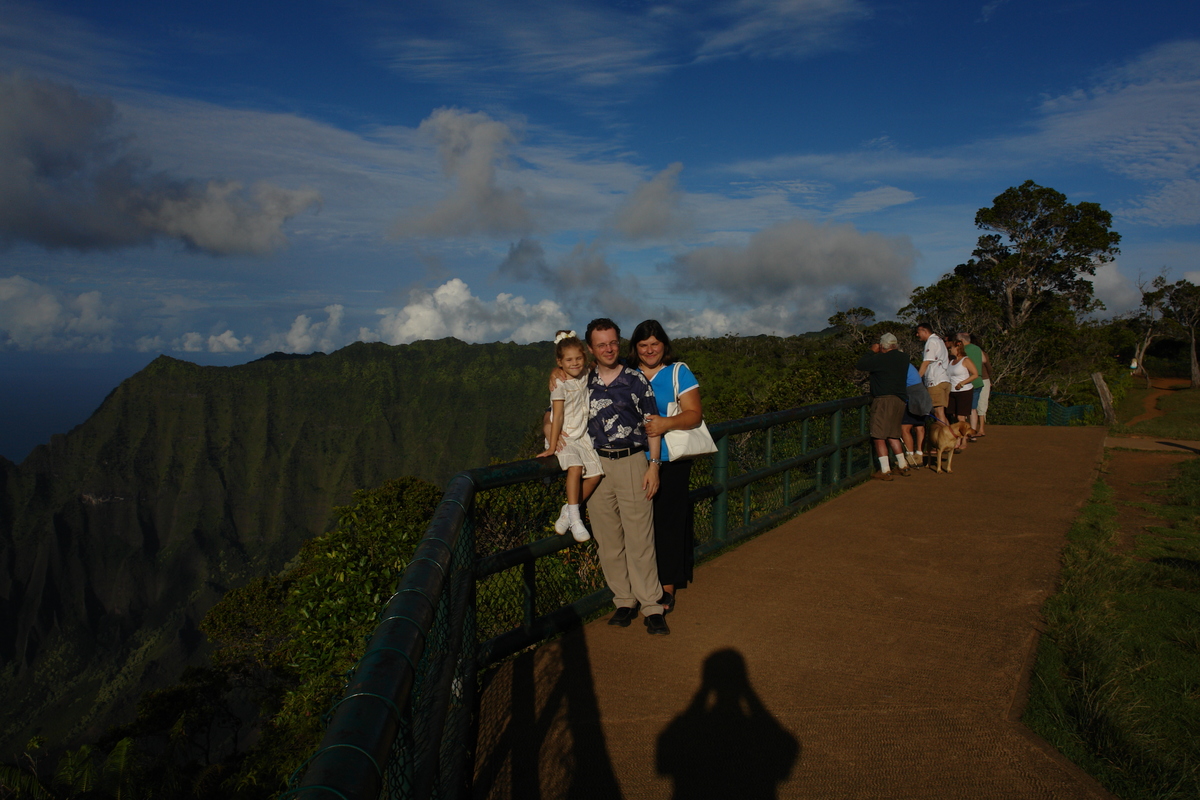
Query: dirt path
pixel 1150 408
pixel 876 646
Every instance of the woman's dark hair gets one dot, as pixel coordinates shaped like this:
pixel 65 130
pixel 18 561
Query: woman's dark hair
pixel 651 328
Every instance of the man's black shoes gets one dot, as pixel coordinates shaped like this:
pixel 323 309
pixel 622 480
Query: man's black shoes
pixel 657 623
pixel 624 616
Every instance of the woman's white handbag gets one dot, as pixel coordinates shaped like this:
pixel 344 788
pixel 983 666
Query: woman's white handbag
pixel 690 443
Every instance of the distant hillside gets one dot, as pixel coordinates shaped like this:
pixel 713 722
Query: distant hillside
pixel 117 537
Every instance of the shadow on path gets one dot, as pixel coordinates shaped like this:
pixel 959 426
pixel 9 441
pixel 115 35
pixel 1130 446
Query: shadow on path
pixel 552 717
pixel 726 743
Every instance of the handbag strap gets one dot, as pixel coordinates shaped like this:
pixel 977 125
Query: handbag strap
pixel 675 381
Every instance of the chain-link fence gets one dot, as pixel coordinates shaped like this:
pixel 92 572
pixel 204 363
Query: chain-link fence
pixel 1023 409
pixel 491 578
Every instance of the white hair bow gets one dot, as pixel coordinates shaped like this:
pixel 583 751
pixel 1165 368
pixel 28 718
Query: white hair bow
pixel 565 335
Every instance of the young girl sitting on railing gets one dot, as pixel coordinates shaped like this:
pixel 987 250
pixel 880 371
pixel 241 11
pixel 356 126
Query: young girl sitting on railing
pixel 569 416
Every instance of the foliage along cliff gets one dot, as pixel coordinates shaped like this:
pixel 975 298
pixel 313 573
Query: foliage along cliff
pixel 117 537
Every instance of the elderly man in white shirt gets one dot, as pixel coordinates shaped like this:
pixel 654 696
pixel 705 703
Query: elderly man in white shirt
pixel 935 370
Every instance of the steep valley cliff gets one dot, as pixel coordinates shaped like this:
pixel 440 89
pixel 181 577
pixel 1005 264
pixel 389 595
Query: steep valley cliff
pixel 117 537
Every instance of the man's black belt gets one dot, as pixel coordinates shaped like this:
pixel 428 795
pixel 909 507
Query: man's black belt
pixel 620 452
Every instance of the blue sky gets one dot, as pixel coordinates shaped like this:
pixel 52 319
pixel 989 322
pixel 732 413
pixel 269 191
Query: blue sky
pixel 220 180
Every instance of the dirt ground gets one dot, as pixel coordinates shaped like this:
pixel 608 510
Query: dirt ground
pixel 1150 408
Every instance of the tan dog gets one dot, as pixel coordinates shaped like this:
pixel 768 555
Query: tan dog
pixel 944 438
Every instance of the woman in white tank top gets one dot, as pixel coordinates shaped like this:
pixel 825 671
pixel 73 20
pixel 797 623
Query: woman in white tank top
pixel 962 375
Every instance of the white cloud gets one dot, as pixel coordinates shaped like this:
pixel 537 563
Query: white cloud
pixel 1175 203
pixel 221 219
pixel 775 29
pixel 582 279
pixel 653 210
pixel 68 180
pixel 1114 289
pixel 794 272
pixel 191 342
pixel 873 200
pixel 572 49
pixel 451 310
pixel 148 344
pixel 225 342
pixel 470 146
pixel 308 336
pixel 33 317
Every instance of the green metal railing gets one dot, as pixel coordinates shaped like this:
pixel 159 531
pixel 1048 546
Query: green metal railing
pixel 1023 409
pixel 403 727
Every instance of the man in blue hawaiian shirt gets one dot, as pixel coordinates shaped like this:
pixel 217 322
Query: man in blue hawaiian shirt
pixel 621 510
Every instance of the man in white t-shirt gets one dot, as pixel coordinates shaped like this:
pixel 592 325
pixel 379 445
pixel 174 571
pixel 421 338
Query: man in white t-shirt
pixel 935 370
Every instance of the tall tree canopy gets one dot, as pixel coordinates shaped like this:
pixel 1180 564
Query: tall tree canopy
pixel 1181 302
pixel 1040 251
pixel 1027 282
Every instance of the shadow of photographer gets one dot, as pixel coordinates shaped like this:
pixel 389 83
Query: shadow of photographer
pixel 726 743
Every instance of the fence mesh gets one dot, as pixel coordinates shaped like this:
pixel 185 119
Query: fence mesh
pixel 1020 409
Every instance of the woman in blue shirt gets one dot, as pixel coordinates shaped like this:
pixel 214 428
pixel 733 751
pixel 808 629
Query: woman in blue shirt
pixel 674 537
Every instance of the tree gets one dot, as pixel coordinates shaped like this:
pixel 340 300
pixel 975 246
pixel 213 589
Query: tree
pixel 853 322
pixel 1024 289
pixel 1051 244
pixel 1149 320
pixel 1182 304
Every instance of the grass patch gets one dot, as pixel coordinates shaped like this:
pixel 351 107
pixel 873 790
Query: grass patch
pixel 1133 404
pixel 1181 420
pixel 1116 686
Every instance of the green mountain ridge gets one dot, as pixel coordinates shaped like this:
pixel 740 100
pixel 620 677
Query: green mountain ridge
pixel 117 537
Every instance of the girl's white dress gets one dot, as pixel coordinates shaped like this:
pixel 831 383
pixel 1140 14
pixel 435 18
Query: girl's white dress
pixel 578 451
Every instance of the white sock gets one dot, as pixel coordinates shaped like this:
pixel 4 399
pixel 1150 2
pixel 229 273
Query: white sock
pixel 901 461
pixel 573 513
pixel 884 464
pixel 919 454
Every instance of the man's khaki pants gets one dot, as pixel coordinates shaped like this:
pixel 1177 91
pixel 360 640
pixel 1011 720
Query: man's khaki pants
pixel 623 524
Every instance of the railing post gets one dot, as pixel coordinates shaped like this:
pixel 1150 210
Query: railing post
pixel 837 454
pixel 720 523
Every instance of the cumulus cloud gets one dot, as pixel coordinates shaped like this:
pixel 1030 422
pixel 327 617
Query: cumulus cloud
pixel 451 310
pixel 470 145
pixel 308 335
pixel 794 272
pixel 149 344
pixel 33 317
pixel 1114 289
pixel 225 342
pixel 68 180
pixel 653 210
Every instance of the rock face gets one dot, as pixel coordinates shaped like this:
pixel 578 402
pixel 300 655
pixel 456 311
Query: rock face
pixel 117 537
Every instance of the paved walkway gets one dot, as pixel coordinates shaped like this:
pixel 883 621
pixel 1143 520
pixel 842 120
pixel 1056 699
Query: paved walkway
pixel 875 646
